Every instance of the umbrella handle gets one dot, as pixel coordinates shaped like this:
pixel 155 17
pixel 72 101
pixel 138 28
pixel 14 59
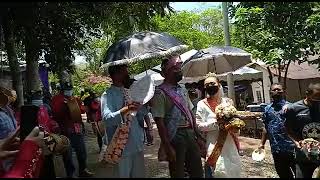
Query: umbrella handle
pixel 215 67
pixel 145 67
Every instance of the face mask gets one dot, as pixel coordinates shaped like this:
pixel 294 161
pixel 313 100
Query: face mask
pixel 68 93
pixel 178 76
pixel 212 90
pixel 277 97
pixel 37 102
pixel 127 82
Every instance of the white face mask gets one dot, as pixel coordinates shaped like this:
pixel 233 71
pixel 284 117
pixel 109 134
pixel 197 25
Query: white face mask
pixel 68 93
pixel 37 102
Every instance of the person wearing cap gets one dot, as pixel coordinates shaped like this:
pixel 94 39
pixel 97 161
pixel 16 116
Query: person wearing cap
pixel 92 104
pixel 116 106
pixel 172 112
pixel 282 147
pixel 228 164
pixel 71 128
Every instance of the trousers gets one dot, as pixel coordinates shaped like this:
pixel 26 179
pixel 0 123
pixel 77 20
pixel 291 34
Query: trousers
pixel 131 166
pixel 48 170
pixel 187 154
pixel 284 163
pixel 78 145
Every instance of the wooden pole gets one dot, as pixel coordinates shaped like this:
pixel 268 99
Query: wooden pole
pixel 230 82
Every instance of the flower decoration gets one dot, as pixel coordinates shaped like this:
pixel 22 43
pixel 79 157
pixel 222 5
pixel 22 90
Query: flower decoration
pixel 227 116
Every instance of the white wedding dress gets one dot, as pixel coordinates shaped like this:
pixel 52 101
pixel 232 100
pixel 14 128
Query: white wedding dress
pixel 228 164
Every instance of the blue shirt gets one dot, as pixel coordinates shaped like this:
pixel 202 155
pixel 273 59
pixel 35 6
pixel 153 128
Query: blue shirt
pixel 274 119
pixel 8 125
pixel 7 122
pixel 111 103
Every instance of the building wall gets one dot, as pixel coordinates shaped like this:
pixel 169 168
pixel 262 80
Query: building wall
pixel 257 86
pixel 295 88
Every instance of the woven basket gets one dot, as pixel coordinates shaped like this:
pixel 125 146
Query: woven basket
pixel 57 144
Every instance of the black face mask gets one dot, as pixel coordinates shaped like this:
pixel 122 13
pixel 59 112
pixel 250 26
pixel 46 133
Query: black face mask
pixel 276 97
pixel 212 90
pixel 127 82
pixel 178 76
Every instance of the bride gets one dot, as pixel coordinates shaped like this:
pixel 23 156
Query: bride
pixel 228 164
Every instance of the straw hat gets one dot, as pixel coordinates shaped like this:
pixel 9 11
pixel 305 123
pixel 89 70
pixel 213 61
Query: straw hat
pixel 7 96
pixel 57 144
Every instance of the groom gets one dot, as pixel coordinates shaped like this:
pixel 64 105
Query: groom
pixel 172 112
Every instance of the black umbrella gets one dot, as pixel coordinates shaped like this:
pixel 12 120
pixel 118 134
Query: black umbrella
pixel 142 46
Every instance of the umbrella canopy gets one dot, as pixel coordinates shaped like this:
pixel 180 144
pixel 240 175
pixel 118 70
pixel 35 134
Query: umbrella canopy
pixel 243 73
pixel 155 71
pixel 142 46
pixel 216 59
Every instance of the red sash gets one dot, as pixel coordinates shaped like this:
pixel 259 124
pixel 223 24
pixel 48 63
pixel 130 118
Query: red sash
pixel 177 99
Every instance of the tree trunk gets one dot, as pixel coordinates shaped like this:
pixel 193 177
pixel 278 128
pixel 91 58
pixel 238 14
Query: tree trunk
pixel 226 24
pixel 279 70
pixel 16 75
pixel 32 57
pixel 286 74
pixel 270 75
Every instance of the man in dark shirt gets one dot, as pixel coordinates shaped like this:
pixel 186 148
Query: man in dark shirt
pixel 303 121
pixel 282 147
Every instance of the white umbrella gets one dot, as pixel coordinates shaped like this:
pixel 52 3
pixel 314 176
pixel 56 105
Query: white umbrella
pixel 243 73
pixel 155 71
pixel 216 59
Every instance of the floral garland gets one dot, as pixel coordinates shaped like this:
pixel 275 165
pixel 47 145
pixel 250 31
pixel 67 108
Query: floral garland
pixel 113 153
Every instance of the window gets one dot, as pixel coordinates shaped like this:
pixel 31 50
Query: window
pixel 259 97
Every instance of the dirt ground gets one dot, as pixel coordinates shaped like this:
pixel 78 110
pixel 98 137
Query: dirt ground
pixel 155 169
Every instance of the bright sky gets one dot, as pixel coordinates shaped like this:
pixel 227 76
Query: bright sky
pixel 189 6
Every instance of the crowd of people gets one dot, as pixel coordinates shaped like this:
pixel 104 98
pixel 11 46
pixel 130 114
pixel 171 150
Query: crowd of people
pixel 185 118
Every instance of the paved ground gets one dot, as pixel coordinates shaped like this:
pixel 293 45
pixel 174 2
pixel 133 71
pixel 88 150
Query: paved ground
pixel 156 169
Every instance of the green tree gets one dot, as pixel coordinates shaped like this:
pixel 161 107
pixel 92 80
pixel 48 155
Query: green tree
pixel 275 32
pixel 94 52
pixel 197 30
pixel 57 29
pixel 8 27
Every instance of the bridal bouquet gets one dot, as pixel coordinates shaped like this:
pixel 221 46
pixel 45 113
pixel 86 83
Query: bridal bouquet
pixel 227 116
